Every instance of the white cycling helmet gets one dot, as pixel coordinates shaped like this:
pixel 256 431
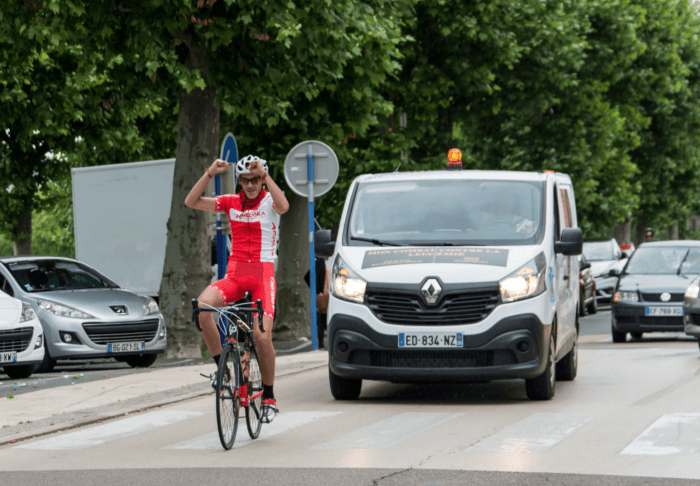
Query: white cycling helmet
pixel 244 163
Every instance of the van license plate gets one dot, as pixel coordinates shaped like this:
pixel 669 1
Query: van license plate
pixel 430 340
pixel 126 347
pixel 8 357
pixel 663 311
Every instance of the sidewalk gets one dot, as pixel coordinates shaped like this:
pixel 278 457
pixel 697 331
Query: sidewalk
pixel 45 411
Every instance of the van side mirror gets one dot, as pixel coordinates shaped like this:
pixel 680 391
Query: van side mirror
pixel 324 246
pixel 570 243
pixel 585 266
pixel 623 255
pixel 613 273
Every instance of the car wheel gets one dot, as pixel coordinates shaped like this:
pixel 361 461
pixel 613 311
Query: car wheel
pixel 344 388
pixel 46 366
pixel 618 336
pixel 542 387
pixel 22 371
pixel 593 306
pixel 142 361
pixel 568 365
pixel 636 335
pixel 583 310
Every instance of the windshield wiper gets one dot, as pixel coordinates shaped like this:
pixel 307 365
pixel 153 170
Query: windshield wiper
pixel 682 262
pixel 444 243
pixel 376 241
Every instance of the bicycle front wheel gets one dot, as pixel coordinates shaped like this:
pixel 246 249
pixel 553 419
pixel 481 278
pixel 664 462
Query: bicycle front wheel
pixel 227 393
pixel 253 412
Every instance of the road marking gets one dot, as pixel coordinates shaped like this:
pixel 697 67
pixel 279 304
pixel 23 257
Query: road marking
pixel 283 422
pixel 672 433
pixel 112 431
pixel 537 433
pixel 389 432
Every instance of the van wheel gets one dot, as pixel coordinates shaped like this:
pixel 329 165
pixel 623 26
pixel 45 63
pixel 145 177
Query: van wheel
pixel 17 372
pixel 592 307
pixel 542 387
pixel 568 365
pixel 344 388
pixel 618 336
pixel 583 310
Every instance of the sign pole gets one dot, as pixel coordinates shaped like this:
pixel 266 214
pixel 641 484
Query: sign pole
pixel 312 252
pixel 220 238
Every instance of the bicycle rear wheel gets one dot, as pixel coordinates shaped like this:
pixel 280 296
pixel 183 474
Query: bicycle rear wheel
pixel 227 392
pixel 253 412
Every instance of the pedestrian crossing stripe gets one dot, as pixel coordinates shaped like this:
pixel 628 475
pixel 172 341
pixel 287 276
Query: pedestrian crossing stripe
pixel 385 434
pixel 536 433
pixel 282 423
pixel 115 430
pixel 673 433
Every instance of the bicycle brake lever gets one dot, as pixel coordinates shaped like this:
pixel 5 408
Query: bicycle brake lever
pixel 258 305
pixel 195 314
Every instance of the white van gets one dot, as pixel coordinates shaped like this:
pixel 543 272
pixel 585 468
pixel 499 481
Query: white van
pixel 454 276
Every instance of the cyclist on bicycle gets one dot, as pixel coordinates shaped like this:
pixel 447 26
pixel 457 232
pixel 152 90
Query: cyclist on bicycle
pixel 254 215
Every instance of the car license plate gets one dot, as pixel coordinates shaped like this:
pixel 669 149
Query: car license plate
pixel 663 311
pixel 430 340
pixel 8 357
pixel 126 347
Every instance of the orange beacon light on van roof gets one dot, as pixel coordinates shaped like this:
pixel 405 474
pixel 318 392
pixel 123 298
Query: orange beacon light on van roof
pixel 454 159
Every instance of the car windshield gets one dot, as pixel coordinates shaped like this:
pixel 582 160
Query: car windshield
pixel 598 251
pixel 664 261
pixel 447 212
pixel 46 275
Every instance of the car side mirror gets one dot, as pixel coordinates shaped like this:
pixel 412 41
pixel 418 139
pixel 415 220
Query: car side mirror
pixel 570 243
pixel 324 246
pixel 623 255
pixel 585 266
pixel 613 273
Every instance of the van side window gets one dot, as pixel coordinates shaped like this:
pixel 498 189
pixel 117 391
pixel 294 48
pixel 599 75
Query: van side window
pixel 557 231
pixel 566 202
pixel 5 286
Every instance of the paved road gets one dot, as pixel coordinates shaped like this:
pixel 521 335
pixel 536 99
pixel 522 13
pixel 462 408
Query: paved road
pixel 630 417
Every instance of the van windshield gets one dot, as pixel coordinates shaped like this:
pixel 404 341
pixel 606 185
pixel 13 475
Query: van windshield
pixel 447 212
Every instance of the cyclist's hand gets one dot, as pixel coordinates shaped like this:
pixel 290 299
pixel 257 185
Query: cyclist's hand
pixel 218 167
pixel 256 169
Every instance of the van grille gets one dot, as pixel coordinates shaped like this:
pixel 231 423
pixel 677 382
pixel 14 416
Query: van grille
pixel 454 309
pixel 427 359
pixel 117 332
pixel 15 339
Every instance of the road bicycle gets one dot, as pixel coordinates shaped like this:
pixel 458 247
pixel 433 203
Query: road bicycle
pixel 238 378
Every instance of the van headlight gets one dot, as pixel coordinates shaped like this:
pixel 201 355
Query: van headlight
pixel 27 312
pixel 693 290
pixel 151 305
pixel 347 284
pixel 63 310
pixel 527 281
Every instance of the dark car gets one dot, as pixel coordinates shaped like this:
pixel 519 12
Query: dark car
pixel 649 294
pixel 588 301
pixel 604 255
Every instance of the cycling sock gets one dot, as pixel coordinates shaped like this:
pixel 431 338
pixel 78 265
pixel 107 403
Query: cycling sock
pixel 216 359
pixel 267 392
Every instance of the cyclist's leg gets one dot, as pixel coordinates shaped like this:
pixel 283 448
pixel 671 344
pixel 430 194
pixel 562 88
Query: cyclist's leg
pixel 210 333
pixel 265 290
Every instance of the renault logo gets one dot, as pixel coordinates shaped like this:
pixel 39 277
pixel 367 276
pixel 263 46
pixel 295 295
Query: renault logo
pixel 119 309
pixel 431 290
pixel 665 297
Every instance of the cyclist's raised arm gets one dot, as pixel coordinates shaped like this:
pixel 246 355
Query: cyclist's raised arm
pixel 194 199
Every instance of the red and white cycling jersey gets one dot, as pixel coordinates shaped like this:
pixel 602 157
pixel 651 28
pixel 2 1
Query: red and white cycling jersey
pixel 254 228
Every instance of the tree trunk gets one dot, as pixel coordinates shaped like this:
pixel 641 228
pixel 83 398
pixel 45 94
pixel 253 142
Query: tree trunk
pixel 621 232
pixel 24 226
pixel 673 231
pixel 293 306
pixel 639 232
pixel 187 269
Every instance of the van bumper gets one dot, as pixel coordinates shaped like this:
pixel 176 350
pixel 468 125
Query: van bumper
pixel 514 347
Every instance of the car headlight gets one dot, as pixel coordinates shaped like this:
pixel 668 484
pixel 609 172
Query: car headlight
pixel 528 281
pixel 151 305
pixel 693 290
pixel 623 296
pixel 346 283
pixel 27 312
pixel 63 310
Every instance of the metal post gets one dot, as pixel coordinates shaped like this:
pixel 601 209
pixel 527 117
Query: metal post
pixel 312 253
pixel 220 250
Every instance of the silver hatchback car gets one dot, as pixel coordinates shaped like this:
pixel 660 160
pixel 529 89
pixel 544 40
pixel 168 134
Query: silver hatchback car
pixel 83 313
